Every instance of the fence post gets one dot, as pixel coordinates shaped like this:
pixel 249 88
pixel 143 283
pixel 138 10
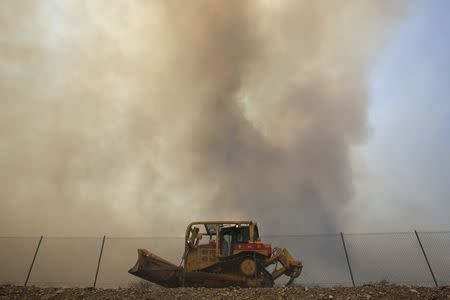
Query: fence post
pixel 99 260
pixel 426 258
pixel 348 260
pixel 32 262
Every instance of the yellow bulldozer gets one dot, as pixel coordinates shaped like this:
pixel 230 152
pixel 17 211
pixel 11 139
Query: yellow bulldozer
pixel 220 254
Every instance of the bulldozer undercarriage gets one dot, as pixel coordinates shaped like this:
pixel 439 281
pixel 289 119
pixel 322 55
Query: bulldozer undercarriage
pixel 246 268
pixel 243 269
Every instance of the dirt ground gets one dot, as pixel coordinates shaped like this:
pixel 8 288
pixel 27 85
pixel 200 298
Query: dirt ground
pixel 363 292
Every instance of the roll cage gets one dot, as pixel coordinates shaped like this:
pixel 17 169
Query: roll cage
pixel 223 234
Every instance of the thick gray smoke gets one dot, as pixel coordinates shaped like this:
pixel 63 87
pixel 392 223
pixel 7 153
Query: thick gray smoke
pixel 135 117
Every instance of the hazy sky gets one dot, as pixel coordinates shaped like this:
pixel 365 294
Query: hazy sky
pixel 406 183
pixel 309 116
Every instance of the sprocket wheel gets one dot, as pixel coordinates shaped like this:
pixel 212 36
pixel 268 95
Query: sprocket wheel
pixel 248 267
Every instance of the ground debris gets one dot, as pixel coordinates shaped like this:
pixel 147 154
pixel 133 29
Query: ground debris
pixel 155 292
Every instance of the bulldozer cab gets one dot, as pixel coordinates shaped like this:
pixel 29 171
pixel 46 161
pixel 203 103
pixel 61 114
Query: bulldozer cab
pixel 220 235
pixel 238 234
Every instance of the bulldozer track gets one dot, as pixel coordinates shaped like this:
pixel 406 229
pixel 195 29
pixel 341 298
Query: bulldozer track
pixel 232 263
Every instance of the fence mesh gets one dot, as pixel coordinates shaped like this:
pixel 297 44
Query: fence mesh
pixel 374 258
pixel 16 255
pixel 323 258
pixel 66 262
pixel 437 248
pixel 393 258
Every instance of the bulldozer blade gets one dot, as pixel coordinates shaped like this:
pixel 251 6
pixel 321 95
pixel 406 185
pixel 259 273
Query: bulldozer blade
pixel 156 269
pixel 160 271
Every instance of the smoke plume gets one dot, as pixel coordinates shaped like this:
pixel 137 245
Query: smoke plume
pixel 136 117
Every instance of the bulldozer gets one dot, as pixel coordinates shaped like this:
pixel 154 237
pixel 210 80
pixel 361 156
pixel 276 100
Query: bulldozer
pixel 220 254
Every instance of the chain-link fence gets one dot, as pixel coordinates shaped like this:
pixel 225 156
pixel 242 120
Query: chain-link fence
pixel 412 258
